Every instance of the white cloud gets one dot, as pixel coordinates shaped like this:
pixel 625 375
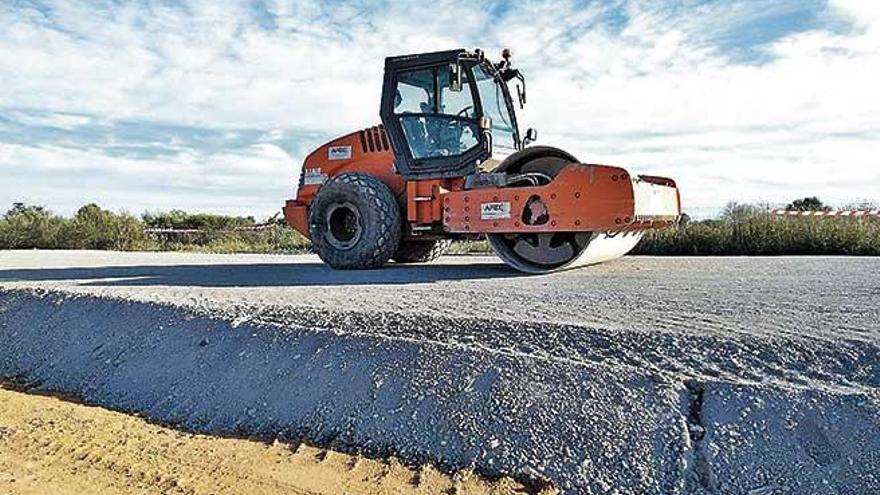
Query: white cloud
pixel 655 87
pixel 862 13
pixel 730 131
pixel 244 181
pixel 50 119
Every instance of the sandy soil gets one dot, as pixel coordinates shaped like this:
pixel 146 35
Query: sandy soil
pixel 52 446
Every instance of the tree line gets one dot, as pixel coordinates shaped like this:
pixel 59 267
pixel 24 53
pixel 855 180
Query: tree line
pixel 742 229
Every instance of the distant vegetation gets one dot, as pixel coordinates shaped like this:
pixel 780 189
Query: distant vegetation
pixel 741 230
pixel 807 204
pixel 34 227
pixel 751 230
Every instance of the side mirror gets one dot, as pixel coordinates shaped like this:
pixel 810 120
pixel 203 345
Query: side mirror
pixel 530 137
pixel 455 82
pixel 485 124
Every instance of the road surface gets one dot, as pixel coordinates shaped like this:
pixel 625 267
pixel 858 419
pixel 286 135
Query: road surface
pixel 644 375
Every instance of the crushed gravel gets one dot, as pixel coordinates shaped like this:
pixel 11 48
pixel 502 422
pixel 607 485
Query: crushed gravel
pixel 645 375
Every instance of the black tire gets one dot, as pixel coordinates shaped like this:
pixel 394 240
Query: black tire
pixel 354 222
pixel 420 251
pixel 546 159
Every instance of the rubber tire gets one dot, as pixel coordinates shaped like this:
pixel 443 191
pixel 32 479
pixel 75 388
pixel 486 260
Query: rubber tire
pixel 380 222
pixel 420 251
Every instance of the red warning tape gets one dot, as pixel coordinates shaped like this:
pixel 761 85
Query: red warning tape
pixel 831 213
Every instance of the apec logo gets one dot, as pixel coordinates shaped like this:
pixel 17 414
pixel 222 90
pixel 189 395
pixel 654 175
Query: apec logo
pixel 339 152
pixel 494 211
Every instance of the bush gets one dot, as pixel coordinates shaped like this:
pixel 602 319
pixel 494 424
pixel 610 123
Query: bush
pixel 741 230
pixel 178 219
pixel 748 230
pixel 807 204
pixel 30 227
pixel 96 228
pixel 275 239
pixel 35 227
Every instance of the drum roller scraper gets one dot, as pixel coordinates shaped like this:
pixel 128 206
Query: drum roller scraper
pixel 449 162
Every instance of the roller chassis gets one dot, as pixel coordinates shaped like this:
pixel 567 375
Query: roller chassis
pixel 541 209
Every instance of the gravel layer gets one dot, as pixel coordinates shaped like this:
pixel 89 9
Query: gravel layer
pixel 646 375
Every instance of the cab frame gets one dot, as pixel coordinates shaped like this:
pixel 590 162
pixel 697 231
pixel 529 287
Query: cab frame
pixel 411 165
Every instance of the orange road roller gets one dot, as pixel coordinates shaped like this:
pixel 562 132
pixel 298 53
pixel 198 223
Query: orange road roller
pixel 449 162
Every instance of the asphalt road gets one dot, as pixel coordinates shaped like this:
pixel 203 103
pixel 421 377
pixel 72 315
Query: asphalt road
pixel 643 375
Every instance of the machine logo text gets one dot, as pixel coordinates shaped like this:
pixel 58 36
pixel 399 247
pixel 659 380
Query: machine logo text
pixel 494 211
pixel 339 152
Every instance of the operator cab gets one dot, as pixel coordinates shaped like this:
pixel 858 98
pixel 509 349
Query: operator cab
pixel 448 112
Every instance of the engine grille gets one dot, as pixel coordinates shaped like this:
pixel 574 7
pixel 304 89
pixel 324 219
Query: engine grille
pixel 374 139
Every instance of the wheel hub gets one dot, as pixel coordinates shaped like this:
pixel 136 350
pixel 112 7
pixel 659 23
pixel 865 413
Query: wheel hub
pixel 343 225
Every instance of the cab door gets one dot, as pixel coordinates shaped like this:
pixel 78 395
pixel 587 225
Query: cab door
pixel 432 122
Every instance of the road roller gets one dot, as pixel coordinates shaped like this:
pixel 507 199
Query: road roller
pixel 449 162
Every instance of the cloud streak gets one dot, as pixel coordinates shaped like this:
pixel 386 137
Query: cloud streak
pixel 212 105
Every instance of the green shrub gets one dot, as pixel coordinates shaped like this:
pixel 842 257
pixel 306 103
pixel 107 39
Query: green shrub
pixel 96 228
pixel 741 230
pixel 178 219
pixel 748 230
pixel 274 239
pixel 30 227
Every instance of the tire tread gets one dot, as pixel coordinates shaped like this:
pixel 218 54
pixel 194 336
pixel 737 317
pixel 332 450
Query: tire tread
pixel 383 234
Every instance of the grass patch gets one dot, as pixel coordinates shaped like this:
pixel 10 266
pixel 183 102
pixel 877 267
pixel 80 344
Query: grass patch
pixel 741 231
pixel 751 231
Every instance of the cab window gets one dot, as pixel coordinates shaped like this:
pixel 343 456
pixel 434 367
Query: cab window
pixel 436 121
pixel 495 107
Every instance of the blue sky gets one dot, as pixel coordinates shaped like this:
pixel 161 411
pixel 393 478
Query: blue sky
pixel 212 106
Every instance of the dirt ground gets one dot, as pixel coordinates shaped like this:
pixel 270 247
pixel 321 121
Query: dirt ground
pixel 50 446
